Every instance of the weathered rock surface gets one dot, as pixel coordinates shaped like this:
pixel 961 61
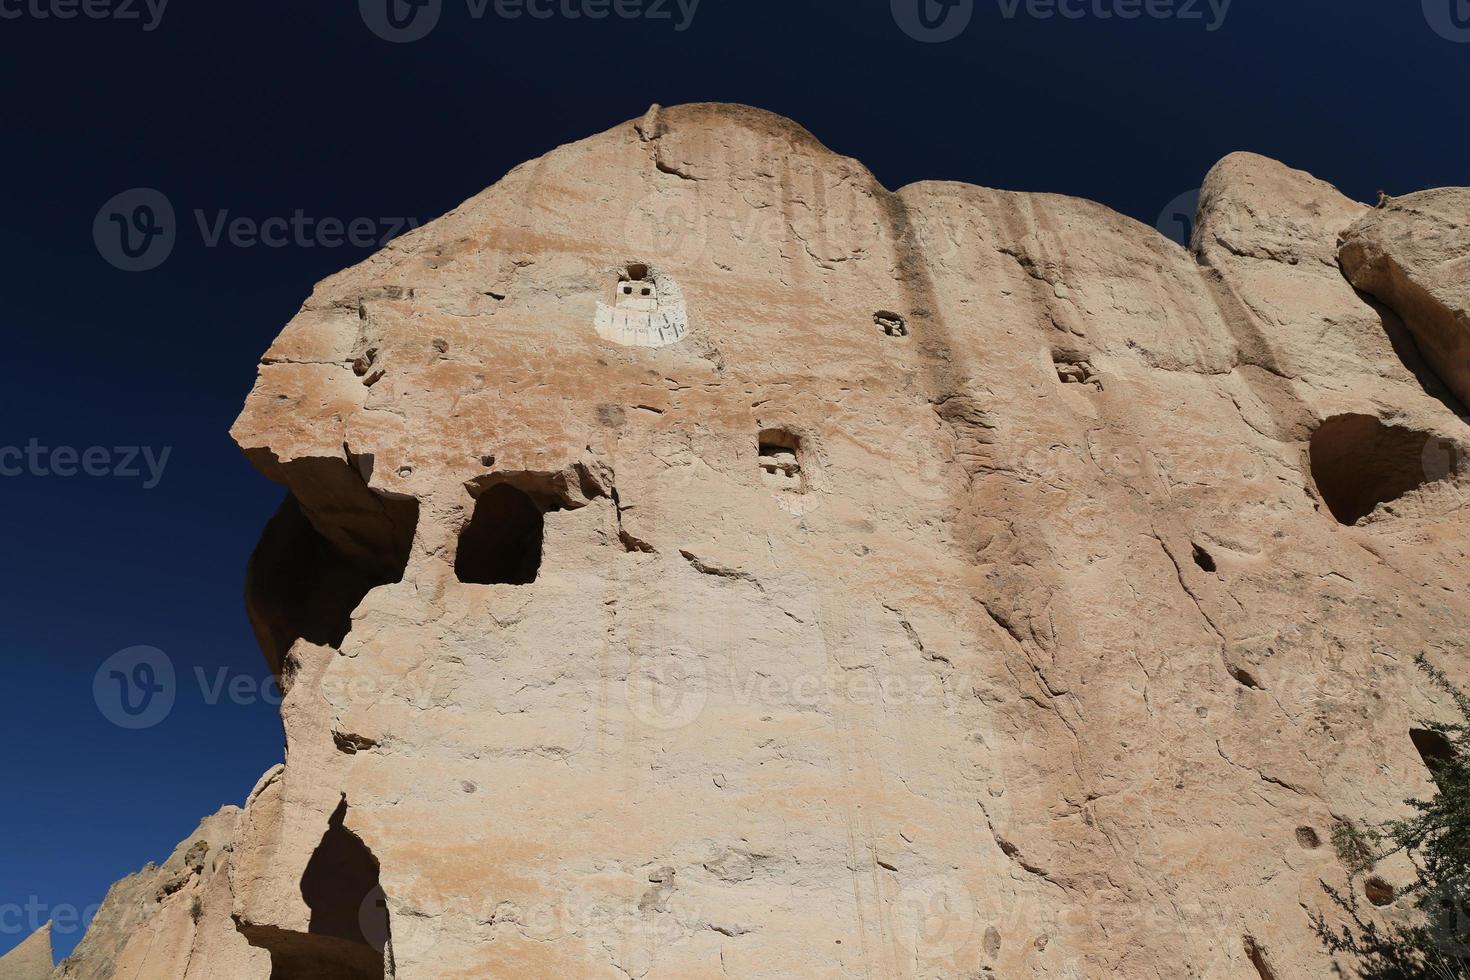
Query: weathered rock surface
pixel 31 960
pixel 1413 254
pixel 171 920
pixel 972 583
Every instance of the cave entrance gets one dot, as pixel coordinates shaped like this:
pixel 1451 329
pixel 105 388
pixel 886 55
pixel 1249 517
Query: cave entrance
pixel 1358 463
pixel 501 544
pixel 1436 750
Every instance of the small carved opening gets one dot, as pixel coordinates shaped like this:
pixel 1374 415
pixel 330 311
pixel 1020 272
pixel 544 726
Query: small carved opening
pixel 780 460
pixel 891 323
pixel 637 272
pixel 1358 464
pixel 1075 369
pixel 1256 953
pixel 1433 748
pixel 501 544
pixel 1204 559
pixel 1308 839
pixel 1378 891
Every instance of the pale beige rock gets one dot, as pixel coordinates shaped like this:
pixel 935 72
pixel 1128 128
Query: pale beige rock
pixel 172 920
pixel 31 960
pixel 1413 253
pixel 1020 641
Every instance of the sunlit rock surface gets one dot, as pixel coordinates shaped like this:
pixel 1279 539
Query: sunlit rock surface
pixel 983 585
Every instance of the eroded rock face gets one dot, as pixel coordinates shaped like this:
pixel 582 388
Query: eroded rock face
pixel 956 598
pixel 1413 254
pixel 171 920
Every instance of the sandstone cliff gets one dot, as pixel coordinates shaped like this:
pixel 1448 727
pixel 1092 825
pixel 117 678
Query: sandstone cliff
pixel 701 561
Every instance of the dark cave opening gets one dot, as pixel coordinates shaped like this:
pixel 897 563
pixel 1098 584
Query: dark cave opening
pixel 1433 748
pixel 501 544
pixel 1359 463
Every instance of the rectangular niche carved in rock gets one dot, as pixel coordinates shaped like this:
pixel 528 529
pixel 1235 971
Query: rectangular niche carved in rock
pixel 780 460
pixel 1075 369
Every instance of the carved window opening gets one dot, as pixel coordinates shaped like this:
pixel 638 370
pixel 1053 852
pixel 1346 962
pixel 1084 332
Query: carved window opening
pixel 1074 368
pixel 781 460
pixel 501 544
pixel 891 323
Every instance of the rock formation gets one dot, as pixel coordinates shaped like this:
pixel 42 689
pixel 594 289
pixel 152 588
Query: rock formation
pixel 31 960
pixel 978 584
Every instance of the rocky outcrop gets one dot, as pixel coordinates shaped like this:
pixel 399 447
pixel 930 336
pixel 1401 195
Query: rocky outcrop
pixel 31 960
pixel 171 920
pixel 974 583
pixel 1413 254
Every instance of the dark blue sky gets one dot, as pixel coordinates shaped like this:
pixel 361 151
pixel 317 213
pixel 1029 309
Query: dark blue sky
pixel 264 107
